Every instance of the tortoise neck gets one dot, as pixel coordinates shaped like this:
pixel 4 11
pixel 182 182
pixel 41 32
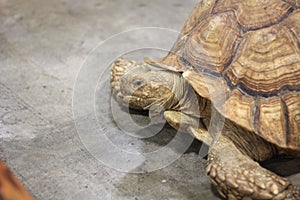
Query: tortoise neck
pixel 188 101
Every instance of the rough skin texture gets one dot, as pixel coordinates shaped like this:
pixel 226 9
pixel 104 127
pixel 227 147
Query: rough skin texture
pixel 233 160
pixel 241 60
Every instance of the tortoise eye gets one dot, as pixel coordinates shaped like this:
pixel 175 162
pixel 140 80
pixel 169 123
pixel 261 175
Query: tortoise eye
pixel 138 83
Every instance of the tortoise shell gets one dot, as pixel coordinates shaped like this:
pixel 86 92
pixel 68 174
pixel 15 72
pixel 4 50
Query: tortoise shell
pixel 245 57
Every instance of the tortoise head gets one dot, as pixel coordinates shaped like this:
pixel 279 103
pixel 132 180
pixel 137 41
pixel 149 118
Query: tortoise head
pixel 139 87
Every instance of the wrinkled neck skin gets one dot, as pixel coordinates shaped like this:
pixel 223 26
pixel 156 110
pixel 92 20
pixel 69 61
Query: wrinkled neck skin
pixel 183 98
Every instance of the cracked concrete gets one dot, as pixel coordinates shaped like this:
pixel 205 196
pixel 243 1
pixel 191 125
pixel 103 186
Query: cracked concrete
pixel 43 45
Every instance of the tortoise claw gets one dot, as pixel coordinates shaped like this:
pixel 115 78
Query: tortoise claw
pixel 237 176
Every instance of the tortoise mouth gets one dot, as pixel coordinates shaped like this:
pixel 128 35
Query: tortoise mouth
pixel 134 102
pixel 136 86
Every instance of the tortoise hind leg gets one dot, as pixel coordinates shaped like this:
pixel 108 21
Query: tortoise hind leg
pixel 237 176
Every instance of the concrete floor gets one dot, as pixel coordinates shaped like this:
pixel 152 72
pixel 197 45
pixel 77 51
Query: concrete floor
pixel 45 47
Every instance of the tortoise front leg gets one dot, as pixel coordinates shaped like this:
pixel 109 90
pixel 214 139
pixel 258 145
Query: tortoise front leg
pixel 237 176
pixel 189 124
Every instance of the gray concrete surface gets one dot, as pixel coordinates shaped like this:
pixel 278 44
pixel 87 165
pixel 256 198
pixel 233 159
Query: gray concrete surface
pixel 42 47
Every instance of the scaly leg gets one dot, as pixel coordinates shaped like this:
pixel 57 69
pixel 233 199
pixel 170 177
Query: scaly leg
pixel 186 123
pixel 237 176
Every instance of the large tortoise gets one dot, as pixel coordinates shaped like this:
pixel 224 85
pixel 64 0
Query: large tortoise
pixel 243 60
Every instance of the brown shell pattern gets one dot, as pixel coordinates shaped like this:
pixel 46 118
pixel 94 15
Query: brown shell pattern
pixel 253 14
pixel 213 42
pixel 252 48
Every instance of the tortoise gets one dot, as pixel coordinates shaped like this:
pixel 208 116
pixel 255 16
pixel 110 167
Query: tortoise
pixel 242 59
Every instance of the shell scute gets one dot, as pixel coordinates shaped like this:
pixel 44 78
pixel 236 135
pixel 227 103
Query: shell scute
pixel 212 44
pixel 240 108
pixel 293 24
pixel 254 14
pixel 267 62
pixel 270 120
pixel 292 102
